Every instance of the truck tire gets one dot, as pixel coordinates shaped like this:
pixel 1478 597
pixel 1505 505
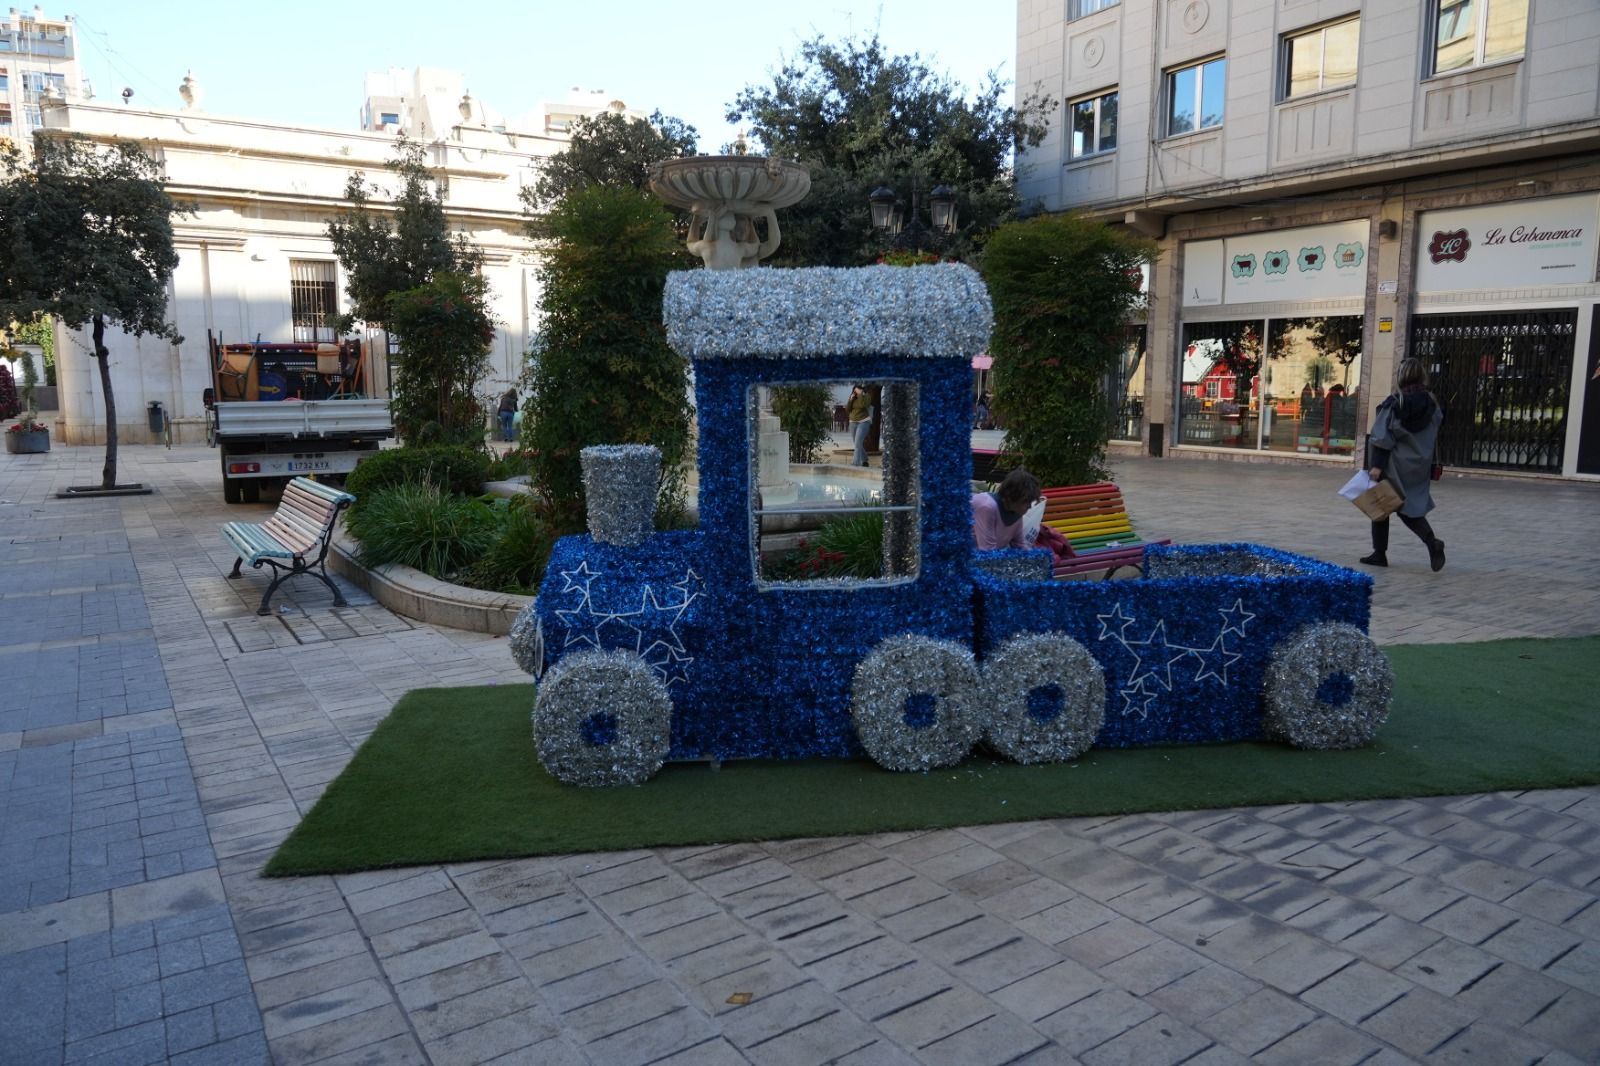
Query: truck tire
pixel 1046 697
pixel 1327 687
pixel 915 703
pixel 232 490
pixel 250 490
pixel 602 718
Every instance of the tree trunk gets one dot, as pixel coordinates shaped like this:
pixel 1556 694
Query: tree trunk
pixel 108 476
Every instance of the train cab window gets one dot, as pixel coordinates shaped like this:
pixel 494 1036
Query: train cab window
pixel 833 493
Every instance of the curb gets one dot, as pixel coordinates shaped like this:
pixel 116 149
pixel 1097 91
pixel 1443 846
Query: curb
pixel 415 595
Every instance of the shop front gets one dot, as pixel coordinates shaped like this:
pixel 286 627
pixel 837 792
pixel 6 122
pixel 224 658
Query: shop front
pixel 1505 319
pixel 1270 344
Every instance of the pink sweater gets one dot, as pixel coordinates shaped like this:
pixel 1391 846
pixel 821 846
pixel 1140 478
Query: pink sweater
pixel 988 529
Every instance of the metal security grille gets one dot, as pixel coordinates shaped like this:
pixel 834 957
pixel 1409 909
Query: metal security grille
pixel 314 299
pixel 1503 380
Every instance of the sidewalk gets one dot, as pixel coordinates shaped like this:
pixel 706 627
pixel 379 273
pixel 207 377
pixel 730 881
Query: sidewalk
pixel 158 739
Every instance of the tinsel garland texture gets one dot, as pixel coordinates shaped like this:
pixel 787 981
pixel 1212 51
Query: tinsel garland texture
pixel 1185 648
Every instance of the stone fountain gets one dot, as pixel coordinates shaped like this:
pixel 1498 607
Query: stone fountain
pixel 725 195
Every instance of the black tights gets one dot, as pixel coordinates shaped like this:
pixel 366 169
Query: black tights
pixel 1419 526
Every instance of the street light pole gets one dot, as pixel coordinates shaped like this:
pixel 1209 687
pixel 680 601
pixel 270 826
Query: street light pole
pixel 888 216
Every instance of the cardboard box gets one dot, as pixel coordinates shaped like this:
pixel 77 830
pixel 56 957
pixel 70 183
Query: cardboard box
pixel 1380 501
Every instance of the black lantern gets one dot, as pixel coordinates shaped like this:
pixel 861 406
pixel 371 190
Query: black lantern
pixel 942 201
pixel 882 200
pixel 907 230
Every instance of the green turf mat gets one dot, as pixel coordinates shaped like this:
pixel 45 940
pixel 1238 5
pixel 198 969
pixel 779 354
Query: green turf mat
pixel 451 774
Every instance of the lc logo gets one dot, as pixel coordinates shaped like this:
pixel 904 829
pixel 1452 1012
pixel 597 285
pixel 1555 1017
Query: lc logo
pixel 1450 246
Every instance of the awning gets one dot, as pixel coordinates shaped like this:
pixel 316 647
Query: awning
pixel 982 362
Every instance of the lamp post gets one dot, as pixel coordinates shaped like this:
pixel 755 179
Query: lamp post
pixel 889 216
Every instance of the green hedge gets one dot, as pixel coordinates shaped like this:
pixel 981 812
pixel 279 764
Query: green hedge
pixel 456 469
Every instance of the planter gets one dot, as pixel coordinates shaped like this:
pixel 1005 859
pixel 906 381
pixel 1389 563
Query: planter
pixel 29 442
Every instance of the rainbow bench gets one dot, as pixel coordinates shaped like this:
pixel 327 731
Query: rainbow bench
pixel 1094 522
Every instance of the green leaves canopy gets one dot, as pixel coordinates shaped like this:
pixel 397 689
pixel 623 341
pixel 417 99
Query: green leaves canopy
pixel 1063 288
pixel 860 118
pixel 610 149
pixel 86 231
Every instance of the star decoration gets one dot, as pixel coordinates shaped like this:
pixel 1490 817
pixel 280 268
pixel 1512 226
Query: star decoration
pixel 1161 660
pixel 1235 617
pixel 1213 657
pixel 1116 615
pixel 582 586
pixel 1135 700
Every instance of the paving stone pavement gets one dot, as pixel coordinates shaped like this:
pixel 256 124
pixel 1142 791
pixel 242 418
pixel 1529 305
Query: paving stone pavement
pixel 158 740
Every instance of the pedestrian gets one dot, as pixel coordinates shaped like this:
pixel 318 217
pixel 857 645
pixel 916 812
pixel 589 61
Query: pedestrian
pixel 1401 448
pixel 859 412
pixel 508 415
pixel 980 414
pixel 997 516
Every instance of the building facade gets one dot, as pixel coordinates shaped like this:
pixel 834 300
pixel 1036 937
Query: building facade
pixel 38 60
pixel 255 262
pixel 1334 186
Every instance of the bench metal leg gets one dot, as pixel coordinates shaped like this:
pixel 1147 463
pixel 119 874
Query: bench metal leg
pixel 283 574
pixel 236 563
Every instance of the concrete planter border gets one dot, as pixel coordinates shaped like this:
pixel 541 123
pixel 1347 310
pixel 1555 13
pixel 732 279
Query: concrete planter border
pixel 415 595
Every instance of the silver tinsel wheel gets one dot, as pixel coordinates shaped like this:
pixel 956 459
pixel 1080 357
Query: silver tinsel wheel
pixel 602 718
pixel 527 641
pixel 1327 686
pixel 915 703
pixel 1046 697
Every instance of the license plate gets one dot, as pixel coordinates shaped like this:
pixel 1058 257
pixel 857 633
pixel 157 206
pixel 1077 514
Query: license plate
pixel 310 464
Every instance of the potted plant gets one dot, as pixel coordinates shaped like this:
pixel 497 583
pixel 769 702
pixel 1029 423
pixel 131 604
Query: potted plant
pixel 28 436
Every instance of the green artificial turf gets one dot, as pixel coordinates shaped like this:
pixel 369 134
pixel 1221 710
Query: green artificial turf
pixel 451 775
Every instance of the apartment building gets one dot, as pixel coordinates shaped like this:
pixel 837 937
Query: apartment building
pixel 426 102
pixel 38 61
pixel 1334 186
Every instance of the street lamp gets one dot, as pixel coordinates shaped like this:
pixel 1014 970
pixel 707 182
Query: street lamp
pixel 889 216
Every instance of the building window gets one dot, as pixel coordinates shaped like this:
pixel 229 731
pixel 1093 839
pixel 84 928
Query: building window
pixel 1094 125
pixel 1323 58
pixel 1470 33
pixel 389 118
pixel 34 116
pixel 5 80
pixel 1076 9
pixel 1195 96
pixel 5 114
pixel 313 298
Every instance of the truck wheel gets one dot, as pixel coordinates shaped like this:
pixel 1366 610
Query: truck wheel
pixel 251 490
pixel 602 718
pixel 231 489
pixel 915 703
pixel 1327 687
pixel 1046 697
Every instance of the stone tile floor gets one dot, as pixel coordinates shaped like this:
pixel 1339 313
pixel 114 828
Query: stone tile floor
pixel 158 739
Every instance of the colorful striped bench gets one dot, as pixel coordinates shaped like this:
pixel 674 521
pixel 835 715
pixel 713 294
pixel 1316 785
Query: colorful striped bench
pixel 1095 524
pixel 303 524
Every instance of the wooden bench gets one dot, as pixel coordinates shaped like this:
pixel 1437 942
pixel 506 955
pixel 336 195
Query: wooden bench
pixel 302 526
pixel 1094 522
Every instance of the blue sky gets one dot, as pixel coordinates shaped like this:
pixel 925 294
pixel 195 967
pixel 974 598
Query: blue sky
pixel 303 62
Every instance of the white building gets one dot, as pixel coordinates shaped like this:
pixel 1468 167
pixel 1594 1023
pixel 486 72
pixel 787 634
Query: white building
pixel 254 257
pixel 428 102
pixel 1335 185
pixel 38 58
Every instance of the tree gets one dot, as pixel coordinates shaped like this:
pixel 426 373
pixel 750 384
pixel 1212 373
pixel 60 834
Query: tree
pixel 86 234
pixel 1062 289
pixel 382 257
pixel 600 370
pixel 445 331
pixel 610 149
pixel 805 412
pixel 860 118
pixel 10 406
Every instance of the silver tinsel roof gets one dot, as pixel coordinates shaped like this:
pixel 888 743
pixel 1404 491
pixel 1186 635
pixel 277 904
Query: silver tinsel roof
pixel 939 311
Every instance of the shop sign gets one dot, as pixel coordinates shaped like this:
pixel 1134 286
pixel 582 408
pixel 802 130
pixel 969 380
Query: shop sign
pixel 1311 263
pixel 1526 244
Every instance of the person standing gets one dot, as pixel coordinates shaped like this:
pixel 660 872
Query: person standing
pixel 508 413
pixel 1401 449
pixel 859 411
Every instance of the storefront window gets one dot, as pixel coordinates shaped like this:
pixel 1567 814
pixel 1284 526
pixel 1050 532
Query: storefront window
pixel 1281 384
pixel 1125 388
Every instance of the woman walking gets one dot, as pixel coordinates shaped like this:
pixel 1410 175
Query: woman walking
pixel 859 409
pixel 1402 442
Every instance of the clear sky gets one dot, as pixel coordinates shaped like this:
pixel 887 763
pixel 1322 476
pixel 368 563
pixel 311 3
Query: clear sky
pixel 302 62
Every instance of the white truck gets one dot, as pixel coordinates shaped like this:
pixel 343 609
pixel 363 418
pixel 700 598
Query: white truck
pixel 278 411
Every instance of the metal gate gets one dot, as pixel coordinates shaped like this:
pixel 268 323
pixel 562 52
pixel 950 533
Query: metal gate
pixel 1503 380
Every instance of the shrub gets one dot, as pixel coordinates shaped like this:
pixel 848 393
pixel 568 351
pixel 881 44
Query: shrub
pixel 515 561
pixel 456 469
pixel 518 462
pixel 806 413
pixel 600 370
pixel 445 331
pixel 9 405
pixel 420 526
pixel 846 546
pixel 1063 288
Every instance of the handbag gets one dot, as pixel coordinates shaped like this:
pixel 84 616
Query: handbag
pixel 1380 501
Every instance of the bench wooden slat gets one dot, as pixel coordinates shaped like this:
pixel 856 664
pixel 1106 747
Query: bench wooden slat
pixel 1094 521
pixel 301 525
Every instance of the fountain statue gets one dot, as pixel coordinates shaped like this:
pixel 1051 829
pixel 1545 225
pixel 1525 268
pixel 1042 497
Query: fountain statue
pixel 725 195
